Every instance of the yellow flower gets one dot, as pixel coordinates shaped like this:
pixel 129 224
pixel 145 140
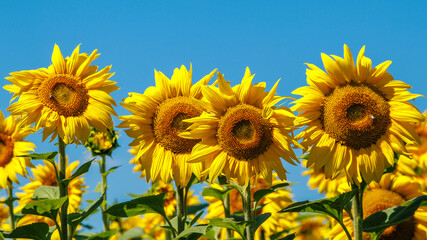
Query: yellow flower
pixel 242 133
pixel 44 175
pixel 12 145
pixel 170 204
pixel 66 98
pixel 315 228
pixel 416 166
pixel 273 203
pixel 4 216
pixel 135 161
pixel 102 143
pixel 392 190
pixel 330 187
pixel 157 121
pixel 150 224
pixel 356 117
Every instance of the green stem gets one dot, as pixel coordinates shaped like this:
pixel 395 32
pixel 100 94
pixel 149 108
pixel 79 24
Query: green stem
pixel 226 204
pixel 180 209
pixel 10 205
pixel 247 209
pixel 345 230
pixel 170 225
pixel 63 188
pixel 357 213
pixel 104 187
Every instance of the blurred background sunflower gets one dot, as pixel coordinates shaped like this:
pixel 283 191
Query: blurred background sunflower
pixel 271 203
pixel 392 190
pixel 12 146
pixel 44 175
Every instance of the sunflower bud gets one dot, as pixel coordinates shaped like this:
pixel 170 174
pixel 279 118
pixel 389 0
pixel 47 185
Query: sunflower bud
pixel 101 143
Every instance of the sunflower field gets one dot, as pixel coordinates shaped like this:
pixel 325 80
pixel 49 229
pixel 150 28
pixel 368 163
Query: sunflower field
pixel 214 157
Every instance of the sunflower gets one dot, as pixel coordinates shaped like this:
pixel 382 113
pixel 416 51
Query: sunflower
pixel 314 228
pixel 102 143
pixel 273 203
pixel 242 133
pixel 392 190
pixel 4 216
pixel 157 120
pixel 44 175
pixel 330 187
pixel 355 116
pixel 149 224
pixel 135 161
pixel 12 145
pixel 66 98
pixel 416 167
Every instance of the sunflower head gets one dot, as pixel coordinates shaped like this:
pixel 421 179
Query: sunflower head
pixel 158 119
pixel 243 134
pixel 101 143
pixel 12 145
pixel 356 117
pixel 391 191
pixel 44 175
pixel 66 98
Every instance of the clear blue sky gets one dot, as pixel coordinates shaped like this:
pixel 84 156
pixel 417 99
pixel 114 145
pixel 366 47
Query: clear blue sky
pixel 273 38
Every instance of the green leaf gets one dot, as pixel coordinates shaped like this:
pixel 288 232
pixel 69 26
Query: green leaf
pixel 276 236
pixel 194 232
pixel 36 231
pixel 46 192
pixel 333 207
pixel 47 207
pixel 80 171
pixel 103 236
pixel 289 237
pixel 260 219
pixel 110 171
pixel 376 223
pixel 196 218
pixel 1 235
pixel 50 157
pixel 133 233
pixel 99 188
pixel 213 192
pixel 193 180
pixel 231 223
pixel 142 205
pixel 74 219
pixel 41 156
pixel 196 208
pixel 258 195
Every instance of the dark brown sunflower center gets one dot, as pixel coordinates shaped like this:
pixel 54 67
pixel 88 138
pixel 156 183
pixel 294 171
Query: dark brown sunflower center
pixel 356 115
pixel 64 94
pixel 380 199
pixel 6 149
pixel 168 123
pixel 243 133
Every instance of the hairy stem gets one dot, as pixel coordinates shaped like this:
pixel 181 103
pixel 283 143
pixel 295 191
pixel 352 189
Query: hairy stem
pixel 180 209
pixel 357 213
pixel 63 188
pixel 226 204
pixel 104 188
pixel 247 209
